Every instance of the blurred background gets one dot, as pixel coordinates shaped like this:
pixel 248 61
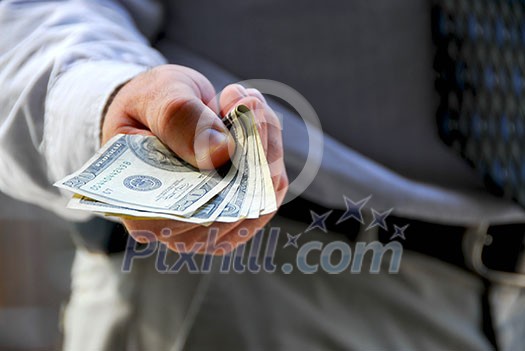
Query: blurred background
pixel 36 252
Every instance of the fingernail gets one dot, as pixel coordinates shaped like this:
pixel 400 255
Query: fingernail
pixel 208 141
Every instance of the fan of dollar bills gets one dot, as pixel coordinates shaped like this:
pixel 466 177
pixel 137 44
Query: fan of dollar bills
pixel 138 177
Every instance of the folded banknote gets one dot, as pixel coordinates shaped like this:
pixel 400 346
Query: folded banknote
pixel 138 177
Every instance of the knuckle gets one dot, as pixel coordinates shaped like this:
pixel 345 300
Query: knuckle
pixel 203 84
pixel 252 102
pixel 283 181
pixel 273 120
pixel 235 88
pixel 230 96
pixel 160 74
pixel 275 143
pixel 256 93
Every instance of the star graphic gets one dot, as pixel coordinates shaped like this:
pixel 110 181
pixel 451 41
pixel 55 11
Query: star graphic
pixel 318 221
pixel 379 219
pixel 399 232
pixel 353 209
pixel 292 240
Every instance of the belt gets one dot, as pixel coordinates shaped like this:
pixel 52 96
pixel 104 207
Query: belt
pixel 101 236
pixel 501 250
pixel 505 243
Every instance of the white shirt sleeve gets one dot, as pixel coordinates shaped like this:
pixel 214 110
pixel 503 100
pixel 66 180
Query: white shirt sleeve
pixel 59 63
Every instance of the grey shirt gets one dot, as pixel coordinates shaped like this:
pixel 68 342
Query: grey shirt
pixel 366 67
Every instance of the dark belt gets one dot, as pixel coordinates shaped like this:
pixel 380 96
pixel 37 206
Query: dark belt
pixel 102 236
pixel 444 242
pixel 440 241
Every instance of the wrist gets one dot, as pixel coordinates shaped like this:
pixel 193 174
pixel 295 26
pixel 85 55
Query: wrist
pixel 75 104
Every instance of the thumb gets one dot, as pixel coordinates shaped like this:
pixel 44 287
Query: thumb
pixel 195 133
pixel 169 102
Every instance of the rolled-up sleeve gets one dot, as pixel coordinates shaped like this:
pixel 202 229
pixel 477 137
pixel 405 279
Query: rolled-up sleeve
pixel 60 61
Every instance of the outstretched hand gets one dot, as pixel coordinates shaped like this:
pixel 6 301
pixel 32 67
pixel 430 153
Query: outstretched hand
pixel 179 106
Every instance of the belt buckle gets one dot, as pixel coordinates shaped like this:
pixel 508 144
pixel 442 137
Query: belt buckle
pixel 474 242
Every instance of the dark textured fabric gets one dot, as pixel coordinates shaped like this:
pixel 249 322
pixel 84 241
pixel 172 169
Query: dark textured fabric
pixel 480 61
pixel 365 66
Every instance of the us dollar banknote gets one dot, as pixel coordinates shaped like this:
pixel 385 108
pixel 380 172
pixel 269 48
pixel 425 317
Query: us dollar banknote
pixel 138 177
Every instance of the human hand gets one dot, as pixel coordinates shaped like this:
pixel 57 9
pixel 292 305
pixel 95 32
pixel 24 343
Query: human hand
pixel 179 106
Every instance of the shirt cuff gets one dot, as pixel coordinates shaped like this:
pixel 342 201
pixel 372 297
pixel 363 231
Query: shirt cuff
pixel 74 109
